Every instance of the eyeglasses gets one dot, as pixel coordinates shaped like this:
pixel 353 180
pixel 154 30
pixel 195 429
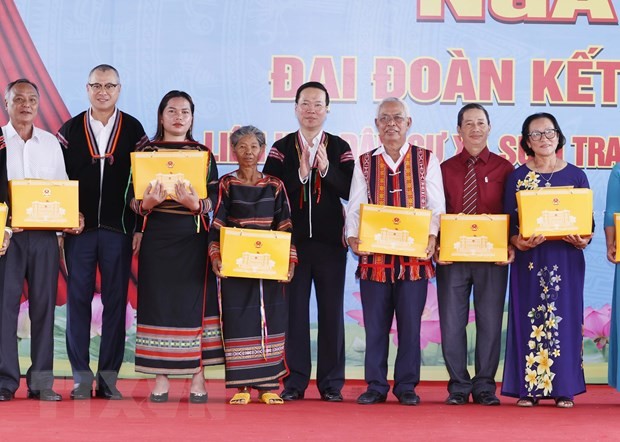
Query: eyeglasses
pixel 97 87
pixel 387 119
pixel 307 106
pixel 550 134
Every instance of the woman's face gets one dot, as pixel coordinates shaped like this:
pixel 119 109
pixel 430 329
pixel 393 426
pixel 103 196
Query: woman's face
pixel 248 151
pixel 543 137
pixel 177 117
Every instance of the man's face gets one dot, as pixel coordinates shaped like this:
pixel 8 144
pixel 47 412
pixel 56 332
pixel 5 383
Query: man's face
pixel 22 104
pixel 103 90
pixel 392 123
pixel 311 109
pixel 474 129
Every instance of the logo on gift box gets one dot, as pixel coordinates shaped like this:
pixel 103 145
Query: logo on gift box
pixel 47 192
pixel 556 201
pixel 474 227
pixel 396 220
pixel 170 164
pixel 258 244
pixel 473 245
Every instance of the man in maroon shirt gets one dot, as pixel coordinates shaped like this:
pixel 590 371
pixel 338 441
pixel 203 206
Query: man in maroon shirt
pixel 488 280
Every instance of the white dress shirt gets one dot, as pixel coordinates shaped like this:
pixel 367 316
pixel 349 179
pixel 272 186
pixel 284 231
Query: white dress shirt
pixel 40 157
pixel 313 148
pixel 102 136
pixel 359 191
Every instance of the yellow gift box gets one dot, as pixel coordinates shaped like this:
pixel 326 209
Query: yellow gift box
pixel 4 211
pixel 251 253
pixel 394 230
pixel 473 238
pixel 555 212
pixel 44 204
pixel 169 167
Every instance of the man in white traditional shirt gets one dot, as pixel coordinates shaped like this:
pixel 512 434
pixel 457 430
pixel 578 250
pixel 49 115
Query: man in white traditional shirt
pixel 33 255
pixel 398 174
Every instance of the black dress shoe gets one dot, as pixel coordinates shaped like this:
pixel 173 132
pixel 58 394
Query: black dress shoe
pixel 159 398
pixel 409 398
pixel 457 399
pixel 81 391
pixel 331 396
pixel 371 397
pixel 108 392
pixel 198 398
pixel 6 394
pixel 46 394
pixel 486 398
pixel 292 395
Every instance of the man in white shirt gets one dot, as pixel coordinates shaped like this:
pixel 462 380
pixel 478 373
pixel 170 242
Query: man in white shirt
pixel 403 175
pixel 32 255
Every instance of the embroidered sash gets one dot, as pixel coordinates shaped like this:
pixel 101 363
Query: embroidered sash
pixel 91 140
pixel 404 187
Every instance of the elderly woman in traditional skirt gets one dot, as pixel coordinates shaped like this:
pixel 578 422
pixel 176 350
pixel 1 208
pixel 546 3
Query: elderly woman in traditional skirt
pixel 254 311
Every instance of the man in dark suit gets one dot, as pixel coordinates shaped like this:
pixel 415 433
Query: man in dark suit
pixel 316 168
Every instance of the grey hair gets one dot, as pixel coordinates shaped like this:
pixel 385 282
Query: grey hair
pixel 12 84
pixel 402 103
pixel 243 131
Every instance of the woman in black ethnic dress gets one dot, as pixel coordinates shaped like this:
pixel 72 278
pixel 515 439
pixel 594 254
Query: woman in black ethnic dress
pixel 254 311
pixel 178 330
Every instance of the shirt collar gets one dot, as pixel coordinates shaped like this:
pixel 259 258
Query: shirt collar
pixel 402 151
pixel 483 155
pixel 93 121
pixel 10 132
pixel 315 141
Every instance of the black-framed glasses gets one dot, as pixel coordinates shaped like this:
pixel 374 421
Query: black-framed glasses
pixel 97 87
pixel 549 134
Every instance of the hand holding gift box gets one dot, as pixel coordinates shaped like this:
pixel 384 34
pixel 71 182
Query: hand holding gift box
pixel 473 238
pixel 169 169
pixel 394 230
pixel 44 204
pixel 555 212
pixel 251 253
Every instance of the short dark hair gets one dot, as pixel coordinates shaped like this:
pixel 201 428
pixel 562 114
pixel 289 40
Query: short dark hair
pixel 314 84
pixel 103 68
pixel 16 82
pixel 159 135
pixel 459 118
pixel 525 130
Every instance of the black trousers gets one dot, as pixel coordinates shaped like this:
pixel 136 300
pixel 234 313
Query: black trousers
pixel 111 251
pixel 325 265
pixel 454 287
pixel 32 256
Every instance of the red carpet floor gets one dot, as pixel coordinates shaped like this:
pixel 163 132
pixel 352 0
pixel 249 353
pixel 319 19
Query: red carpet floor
pixel 596 416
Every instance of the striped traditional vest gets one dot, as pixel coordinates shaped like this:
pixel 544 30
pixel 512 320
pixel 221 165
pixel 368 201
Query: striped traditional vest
pixel 404 187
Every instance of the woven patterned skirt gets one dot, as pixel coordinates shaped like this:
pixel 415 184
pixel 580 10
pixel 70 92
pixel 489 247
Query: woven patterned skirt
pixel 178 320
pixel 254 320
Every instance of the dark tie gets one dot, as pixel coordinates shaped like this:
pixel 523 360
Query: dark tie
pixel 470 188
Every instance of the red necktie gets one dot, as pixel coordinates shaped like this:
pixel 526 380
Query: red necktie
pixel 470 188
